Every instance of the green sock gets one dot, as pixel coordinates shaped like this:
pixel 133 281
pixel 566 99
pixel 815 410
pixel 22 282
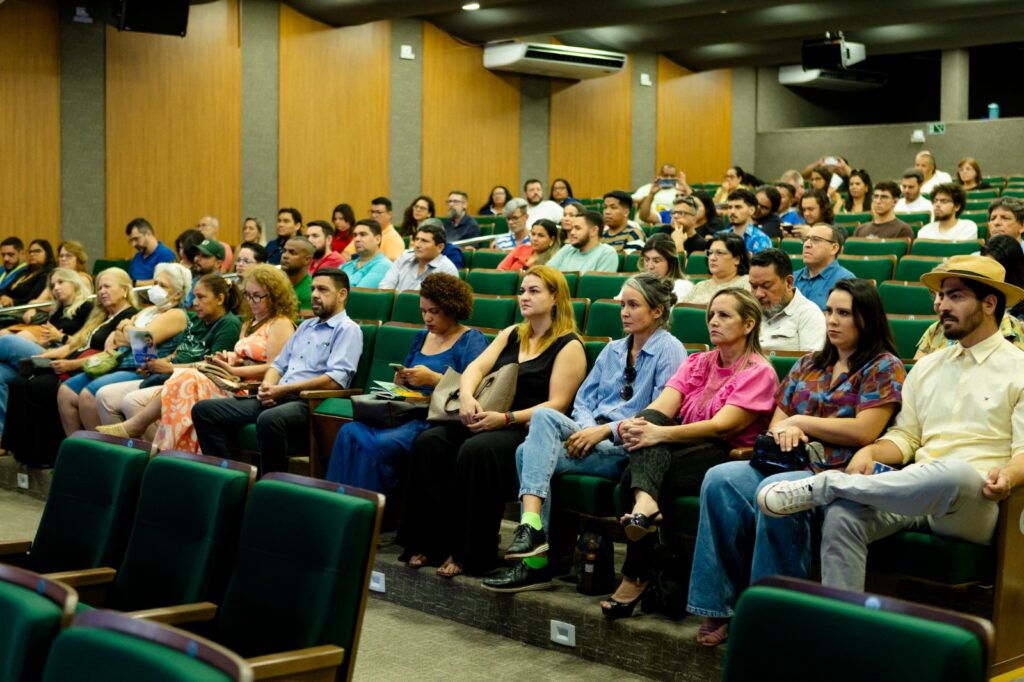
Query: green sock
pixel 535 562
pixel 532 519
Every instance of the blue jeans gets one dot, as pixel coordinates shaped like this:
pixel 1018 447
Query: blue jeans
pixel 83 382
pixel 543 454
pixel 12 349
pixel 733 529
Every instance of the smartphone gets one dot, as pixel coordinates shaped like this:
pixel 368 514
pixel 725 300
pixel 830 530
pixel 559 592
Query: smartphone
pixel 831 160
pixel 395 366
pixel 666 183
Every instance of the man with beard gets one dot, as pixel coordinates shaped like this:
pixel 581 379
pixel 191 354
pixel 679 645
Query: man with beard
pixel 740 207
pixel 295 259
pixel 207 260
pixel 320 234
pixel 537 206
pixel 322 354
pixel 948 202
pixel 585 252
pixel 148 252
pixel 958 437
pixel 790 321
pixel 459 225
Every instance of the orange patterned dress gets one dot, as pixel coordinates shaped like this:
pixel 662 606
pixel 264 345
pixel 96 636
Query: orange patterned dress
pixel 187 386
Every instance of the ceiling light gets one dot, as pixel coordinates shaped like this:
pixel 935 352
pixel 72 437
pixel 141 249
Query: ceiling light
pixel 471 6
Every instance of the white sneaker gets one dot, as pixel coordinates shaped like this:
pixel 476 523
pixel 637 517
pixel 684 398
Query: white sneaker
pixel 787 497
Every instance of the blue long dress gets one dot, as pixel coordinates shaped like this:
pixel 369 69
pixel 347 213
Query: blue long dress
pixel 370 457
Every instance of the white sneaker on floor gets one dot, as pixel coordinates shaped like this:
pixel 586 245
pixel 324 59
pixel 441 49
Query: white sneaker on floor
pixel 787 497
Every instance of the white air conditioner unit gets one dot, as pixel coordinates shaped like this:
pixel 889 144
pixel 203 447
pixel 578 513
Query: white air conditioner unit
pixel 555 61
pixel 845 80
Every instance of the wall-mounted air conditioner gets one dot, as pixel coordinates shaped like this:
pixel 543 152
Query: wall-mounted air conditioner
pixel 555 61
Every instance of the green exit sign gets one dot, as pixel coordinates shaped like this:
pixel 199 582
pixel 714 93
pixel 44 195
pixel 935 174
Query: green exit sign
pixel 936 128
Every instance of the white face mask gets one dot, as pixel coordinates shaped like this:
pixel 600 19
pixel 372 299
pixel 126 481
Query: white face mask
pixel 157 295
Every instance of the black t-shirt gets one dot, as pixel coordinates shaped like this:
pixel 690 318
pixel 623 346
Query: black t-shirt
pixel 70 325
pixel 99 336
pixel 533 383
pixel 27 286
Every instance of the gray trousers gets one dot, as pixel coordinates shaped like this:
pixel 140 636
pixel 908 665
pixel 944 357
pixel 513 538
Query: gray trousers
pixel 944 496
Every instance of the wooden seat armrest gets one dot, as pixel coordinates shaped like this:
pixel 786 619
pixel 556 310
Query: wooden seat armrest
pixel 15 547
pixel 88 577
pixel 292 664
pixel 325 394
pixel 741 453
pixel 176 615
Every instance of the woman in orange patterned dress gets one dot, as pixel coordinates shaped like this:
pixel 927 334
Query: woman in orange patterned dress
pixel 273 309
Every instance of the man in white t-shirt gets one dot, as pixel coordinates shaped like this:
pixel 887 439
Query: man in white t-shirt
pixel 537 206
pixel 925 162
pixel 948 203
pixel 655 197
pixel 911 200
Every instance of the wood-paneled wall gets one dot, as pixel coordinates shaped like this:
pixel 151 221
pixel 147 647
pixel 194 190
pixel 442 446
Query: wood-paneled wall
pixel 470 122
pixel 173 119
pixel 334 115
pixel 29 120
pixel 590 133
pixel 695 120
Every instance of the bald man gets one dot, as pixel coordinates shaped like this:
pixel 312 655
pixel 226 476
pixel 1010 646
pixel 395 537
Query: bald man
pixel 210 226
pixel 295 259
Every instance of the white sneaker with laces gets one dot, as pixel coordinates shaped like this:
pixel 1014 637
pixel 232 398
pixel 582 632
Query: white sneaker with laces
pixel 787 497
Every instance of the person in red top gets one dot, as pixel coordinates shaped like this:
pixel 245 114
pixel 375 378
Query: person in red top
pixel 343 218
pixel 545 240
pixel 319 233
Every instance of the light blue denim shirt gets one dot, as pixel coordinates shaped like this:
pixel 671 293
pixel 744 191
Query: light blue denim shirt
pixel 331 347
pixel 598 397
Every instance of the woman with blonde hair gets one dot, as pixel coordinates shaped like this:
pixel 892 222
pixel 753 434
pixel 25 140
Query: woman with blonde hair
pixel 265 329
pixel 465 471
pixel 718 400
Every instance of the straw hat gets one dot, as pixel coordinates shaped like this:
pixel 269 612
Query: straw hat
pixel 981 269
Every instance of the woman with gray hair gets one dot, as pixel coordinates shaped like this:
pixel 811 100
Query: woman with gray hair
pixel 627 376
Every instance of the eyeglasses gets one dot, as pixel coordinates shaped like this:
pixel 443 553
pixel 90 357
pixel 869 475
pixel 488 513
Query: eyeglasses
pixel 517 218
pixel 36 251
pixel 719 252
pixel 255 298
pixel 628 376
pixel 680 214
pixel 817 240
pixel 245 261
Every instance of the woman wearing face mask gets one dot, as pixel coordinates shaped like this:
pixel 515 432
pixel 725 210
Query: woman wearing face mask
pixel 545 240
pixel 166 321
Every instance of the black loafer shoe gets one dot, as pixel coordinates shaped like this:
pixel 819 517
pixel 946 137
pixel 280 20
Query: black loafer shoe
pixel 527 541
pixel 519 578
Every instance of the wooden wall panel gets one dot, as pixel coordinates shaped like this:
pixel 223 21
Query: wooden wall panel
pixel 695 120
pixel 590 139
pixel 334 115
pixel 30 120
pixel 470 122
pixel 173 126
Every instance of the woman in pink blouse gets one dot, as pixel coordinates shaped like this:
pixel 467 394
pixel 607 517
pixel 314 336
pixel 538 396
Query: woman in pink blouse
pixel 717 401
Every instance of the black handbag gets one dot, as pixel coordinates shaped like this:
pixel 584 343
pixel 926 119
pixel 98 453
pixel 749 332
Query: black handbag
pixel 769 458
pixel 385 413
pixel 29 367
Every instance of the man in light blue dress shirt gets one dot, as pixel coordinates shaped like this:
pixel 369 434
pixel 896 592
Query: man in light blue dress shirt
pixel 370 265
pixel 322 354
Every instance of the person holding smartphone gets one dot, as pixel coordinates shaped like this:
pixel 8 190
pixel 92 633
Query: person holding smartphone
pixel 657 196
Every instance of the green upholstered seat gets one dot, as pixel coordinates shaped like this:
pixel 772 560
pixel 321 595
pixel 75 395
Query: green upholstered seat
pixel 934 558
pixel 916 217
pixel 605 319
pixel 102 264
pixel 697 264
pixel 370 304
pixel 89 511
pixel 468 256
pixel 878 268
pixel 407 308
pixel 104 645
pixel 497 282
pixel 33 610
pixel 186 525
pixel 852 218
pixel 907 331
pixel 910 268
pixel 876 247
pixel 590 495
pixel 906 298
pixel 392 346
pixel 496 312
pixel 777 629
pixel 302 570
pixel 593 347
pixel 792 246
pixel 689 324
pixel 339 408
pixel 594 285
pixel 944 249
pixel 782 364
pixel 488 258
pixel 682 514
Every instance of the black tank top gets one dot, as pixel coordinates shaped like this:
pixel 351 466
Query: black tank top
pixel 534 381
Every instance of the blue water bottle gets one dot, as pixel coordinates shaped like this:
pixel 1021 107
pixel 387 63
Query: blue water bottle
pixel 993 111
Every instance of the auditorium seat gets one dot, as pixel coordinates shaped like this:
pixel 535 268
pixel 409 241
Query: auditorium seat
pixel 105 645
pixel 797 262
pixel 878 268
pixel 906 298
pixel 690 323
pixel 604 319
pixel 33 610
pixel 182 541
pixel 1017 192
pixel 783 361
pixel 988 194
pixel 488 258
pixel 594 285
pixel 300 583
pixel 918 217
pixel 101 264
pixel 407 308
pixel 593 345
pixel 490 281
pixel 907 331
pixel 853 219
pixel 910 268
pixel 944 249
pixel 948 647
pixel 975 204
pixel 863 246
pixel 492 311
pixel 370 304
pixel 697 264
pixel 88 513
pixel 792 246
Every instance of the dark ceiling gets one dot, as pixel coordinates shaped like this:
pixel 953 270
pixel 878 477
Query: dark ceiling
pixel 703 34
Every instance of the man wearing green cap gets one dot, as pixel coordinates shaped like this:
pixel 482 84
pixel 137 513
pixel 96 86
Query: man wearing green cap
pixel 209 257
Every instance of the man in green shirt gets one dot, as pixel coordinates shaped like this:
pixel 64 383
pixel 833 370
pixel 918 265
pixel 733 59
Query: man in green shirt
pixel 585 252
pixel 298 253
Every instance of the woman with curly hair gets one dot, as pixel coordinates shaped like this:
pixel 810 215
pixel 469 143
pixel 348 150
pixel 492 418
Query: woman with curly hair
pixel 372 457
pixel 265 329
pixel 421 208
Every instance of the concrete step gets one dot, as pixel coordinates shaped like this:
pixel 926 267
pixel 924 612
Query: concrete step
pixel 33 482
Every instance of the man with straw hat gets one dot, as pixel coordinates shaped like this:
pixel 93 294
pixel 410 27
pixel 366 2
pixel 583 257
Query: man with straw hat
pixel 958 436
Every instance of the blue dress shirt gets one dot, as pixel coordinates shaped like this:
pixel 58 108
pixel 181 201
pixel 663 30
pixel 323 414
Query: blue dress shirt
pixel 817 288
pixel 330 347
